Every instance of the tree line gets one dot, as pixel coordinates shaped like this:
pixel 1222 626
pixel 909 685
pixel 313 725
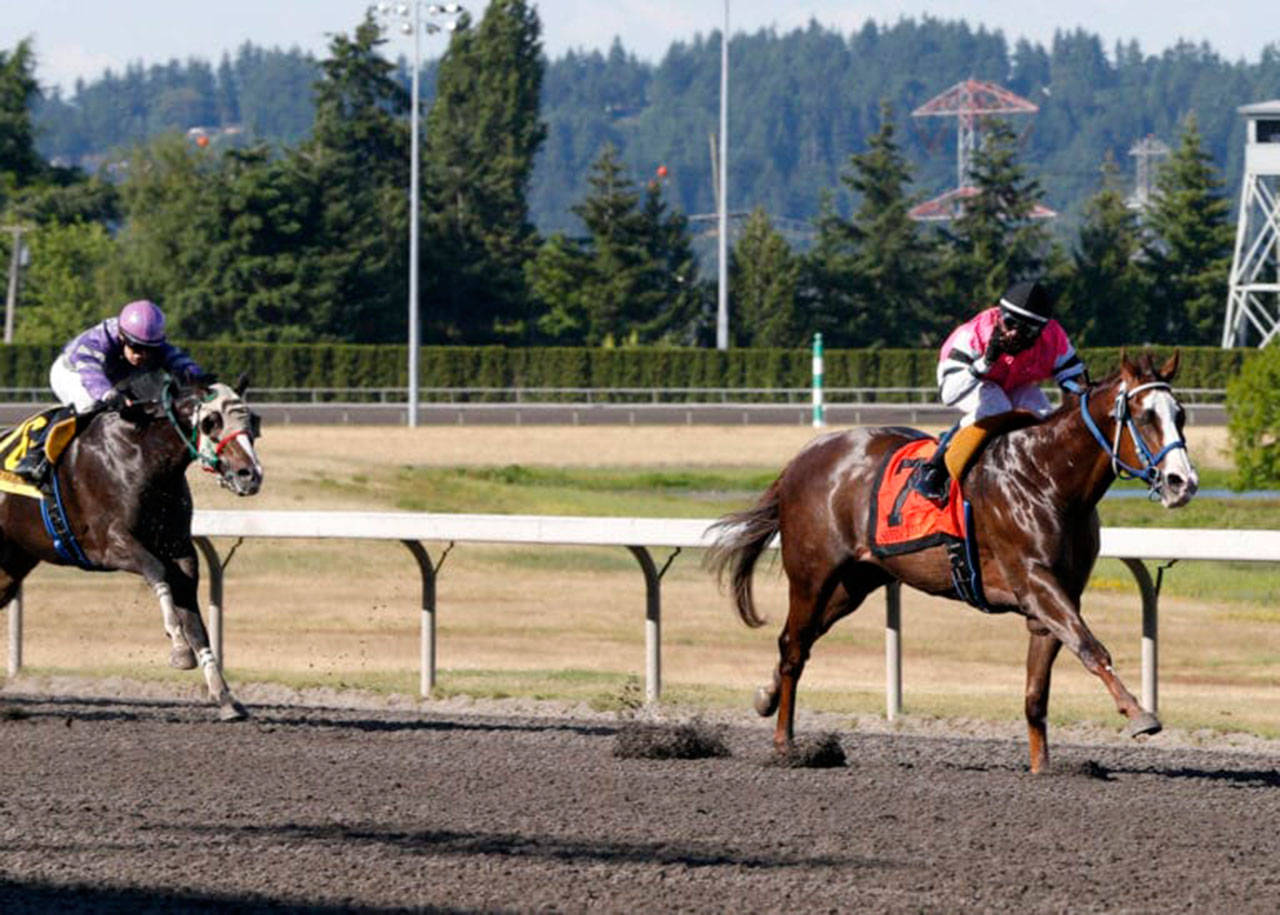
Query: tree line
pixel 304 236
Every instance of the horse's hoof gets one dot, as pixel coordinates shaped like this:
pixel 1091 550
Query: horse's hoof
pixel 233 712
pixel 182 658
pixel 1146 723
pixel 766 701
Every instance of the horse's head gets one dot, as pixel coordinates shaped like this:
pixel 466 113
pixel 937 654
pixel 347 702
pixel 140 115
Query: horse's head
pixel 1154 449
pixel 224 430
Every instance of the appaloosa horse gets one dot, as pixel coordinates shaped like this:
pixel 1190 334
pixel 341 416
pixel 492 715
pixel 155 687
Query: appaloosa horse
pixel 1034 493
pixel 120 501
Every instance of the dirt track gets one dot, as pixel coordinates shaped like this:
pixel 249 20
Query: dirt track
pixel 148 805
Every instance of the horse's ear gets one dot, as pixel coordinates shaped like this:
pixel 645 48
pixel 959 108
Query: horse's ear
pixel 1127 368
pixel 1170 368
pixel 242 384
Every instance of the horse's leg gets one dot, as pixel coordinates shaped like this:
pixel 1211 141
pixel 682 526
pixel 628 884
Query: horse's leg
pixel 1042 650
pixel 14 566
pixel 812 612
pixel 1048 603
pixel 181 654
pixel 183 578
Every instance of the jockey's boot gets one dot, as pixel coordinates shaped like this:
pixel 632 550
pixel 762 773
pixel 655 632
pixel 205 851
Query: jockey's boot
pixel 932 478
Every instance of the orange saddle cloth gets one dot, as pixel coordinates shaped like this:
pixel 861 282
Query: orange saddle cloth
pixel 902 520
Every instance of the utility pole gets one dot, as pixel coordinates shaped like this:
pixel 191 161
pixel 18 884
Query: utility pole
pixel 16 261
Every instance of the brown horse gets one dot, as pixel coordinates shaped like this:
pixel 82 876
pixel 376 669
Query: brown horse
pixel 125 505
pixel 1034 493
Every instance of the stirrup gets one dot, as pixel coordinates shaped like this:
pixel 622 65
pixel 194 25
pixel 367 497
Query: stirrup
pixel 933 486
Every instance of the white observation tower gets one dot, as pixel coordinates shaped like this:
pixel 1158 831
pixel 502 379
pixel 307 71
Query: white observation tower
pixel 1253 296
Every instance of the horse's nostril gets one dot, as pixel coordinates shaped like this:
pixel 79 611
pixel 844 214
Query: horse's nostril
pixel 1176 482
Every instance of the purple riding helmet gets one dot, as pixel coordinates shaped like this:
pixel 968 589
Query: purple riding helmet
pixel 142 324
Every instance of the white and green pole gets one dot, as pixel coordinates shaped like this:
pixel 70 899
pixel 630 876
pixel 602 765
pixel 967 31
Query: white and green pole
pixel 819 420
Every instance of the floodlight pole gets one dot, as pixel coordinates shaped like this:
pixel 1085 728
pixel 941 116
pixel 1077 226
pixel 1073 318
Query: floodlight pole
pixel 722 307
pixel 410 15
pixel 413 222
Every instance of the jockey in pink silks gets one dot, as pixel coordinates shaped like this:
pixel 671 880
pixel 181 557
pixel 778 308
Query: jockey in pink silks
pixel 995 362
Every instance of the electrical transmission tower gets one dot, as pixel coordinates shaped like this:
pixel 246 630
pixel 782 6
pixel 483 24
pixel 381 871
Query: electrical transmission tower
pixel 968 102
pixel 1253 294
pixel 1145 151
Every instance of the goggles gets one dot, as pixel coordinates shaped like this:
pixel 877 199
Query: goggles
pixel 1020 325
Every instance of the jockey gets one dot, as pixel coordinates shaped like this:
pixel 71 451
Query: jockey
pixel 995 362
pixel 90 367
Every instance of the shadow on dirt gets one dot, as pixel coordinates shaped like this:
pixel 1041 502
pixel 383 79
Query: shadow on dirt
pixel 519 845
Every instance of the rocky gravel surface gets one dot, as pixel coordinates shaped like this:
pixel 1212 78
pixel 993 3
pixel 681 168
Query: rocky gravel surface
pixel 115 799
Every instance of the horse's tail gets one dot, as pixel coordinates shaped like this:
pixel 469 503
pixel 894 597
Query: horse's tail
pixel 741 538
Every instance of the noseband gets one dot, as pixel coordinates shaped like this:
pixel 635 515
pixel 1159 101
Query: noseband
pixel 1149 472
pixel 203 449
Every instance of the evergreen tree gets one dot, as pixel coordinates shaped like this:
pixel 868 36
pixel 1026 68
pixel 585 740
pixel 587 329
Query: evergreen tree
pixel 557 277
pixel 482 134
pixel 618 294
pixel 1188 257
pixel 1102 301
pixel 764 281
pixel 357 165
pixel 673 271
pixel 170 206
pixel 995 241
pixel 631 279
pixel 875 269
pixel 19 164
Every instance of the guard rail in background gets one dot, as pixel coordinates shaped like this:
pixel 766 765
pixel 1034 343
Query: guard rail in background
pixel 1132 546
pixel 633 395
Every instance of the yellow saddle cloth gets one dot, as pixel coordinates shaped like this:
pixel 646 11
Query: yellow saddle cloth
pixel 49 430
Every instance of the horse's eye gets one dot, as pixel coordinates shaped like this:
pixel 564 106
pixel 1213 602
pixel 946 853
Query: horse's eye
pixel 209 424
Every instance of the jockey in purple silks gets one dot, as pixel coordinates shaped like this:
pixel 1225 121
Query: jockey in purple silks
pixel 90 367
pixel 995 362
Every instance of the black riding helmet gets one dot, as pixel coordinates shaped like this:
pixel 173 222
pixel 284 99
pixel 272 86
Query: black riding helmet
pixel 1026 306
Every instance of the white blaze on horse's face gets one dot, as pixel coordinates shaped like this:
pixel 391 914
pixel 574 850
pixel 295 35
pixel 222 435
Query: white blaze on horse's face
pixel 237 463
pixel 1178 478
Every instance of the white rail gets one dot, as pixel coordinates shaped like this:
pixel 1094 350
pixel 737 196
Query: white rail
pixel 1132 546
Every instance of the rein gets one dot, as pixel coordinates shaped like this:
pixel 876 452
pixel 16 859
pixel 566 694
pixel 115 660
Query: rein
pixel 1149 472
pixel 195 444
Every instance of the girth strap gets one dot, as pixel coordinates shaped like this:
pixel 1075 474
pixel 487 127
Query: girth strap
pixel 59 530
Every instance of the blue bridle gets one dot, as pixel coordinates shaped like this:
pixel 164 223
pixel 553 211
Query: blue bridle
pixel 1149 472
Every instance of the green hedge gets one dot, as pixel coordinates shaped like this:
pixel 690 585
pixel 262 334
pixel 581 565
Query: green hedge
pixel 355 366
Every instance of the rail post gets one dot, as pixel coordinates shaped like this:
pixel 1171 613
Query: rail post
pixel 819 416
pixel 652 624
pixel 427 631
pixel 893 650
pixel 14 608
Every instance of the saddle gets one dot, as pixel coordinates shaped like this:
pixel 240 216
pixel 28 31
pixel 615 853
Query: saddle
pixel 904 521
pixel 967 443
pixel 34 445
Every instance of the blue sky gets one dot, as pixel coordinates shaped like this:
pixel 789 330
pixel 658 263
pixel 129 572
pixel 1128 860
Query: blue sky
pixel 82 38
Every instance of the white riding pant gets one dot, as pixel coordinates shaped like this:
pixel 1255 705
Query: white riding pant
pixel 987 398
pixel 68 387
